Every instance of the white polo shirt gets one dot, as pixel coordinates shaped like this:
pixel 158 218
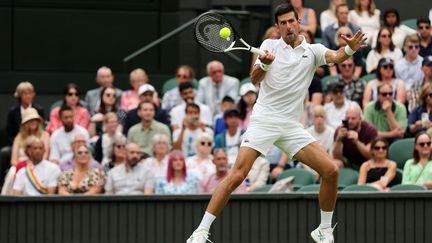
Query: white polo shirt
pixel 46 173
pixel 287 81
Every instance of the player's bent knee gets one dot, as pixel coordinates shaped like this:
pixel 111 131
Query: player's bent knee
pixel 331 171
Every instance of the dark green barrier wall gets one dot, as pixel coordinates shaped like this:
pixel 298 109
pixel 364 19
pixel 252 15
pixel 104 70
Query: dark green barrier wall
pixel 371 218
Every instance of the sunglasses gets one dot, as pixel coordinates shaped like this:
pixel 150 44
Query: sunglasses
pixel 387 66
pixel 72 94
pixel 385 36
pixel 422 144
pixel 380 147
pixel 120 146
pixel 413 47
pixel 347 65
pixel 109 95
pixel 206 143
pixel 82 152
pixel 386 93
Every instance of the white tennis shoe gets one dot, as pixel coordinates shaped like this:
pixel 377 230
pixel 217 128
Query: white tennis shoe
pixel 323 235
pixel 199 236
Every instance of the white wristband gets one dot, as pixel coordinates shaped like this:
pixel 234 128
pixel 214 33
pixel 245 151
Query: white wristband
pixel 264 67
pixel 349 51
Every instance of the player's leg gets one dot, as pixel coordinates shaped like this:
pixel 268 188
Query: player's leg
pixel 315 157
pixel 244 161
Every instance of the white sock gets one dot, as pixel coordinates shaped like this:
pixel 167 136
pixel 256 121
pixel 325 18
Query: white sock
pixel 207 221
pixel 326 219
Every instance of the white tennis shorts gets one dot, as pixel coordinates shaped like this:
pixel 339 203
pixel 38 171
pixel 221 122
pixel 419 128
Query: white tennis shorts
pixel 290 137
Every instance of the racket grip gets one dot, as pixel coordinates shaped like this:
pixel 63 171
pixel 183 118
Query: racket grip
pixel 257 51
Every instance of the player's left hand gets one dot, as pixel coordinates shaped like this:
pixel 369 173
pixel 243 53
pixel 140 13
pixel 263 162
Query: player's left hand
pixel 357 41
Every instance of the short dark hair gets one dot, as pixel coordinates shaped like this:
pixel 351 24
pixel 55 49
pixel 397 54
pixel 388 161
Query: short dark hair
pixel 227 99
pixel 341 5
pixel 64 108
pixel 423 21
pixel 184 86
pixel 192 105
pixel 282 9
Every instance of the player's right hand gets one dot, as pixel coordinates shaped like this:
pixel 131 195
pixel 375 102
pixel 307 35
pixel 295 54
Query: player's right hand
pixel 267 58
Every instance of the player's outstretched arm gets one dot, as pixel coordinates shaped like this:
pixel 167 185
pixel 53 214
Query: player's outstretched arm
pixel 259 70
pixel 353 44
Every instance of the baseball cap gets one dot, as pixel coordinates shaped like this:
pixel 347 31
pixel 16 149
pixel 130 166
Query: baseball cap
pixel 427 60
pixel 247 87
pixel 144 88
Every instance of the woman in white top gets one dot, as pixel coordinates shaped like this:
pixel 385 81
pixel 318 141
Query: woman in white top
pixel 328 17
pixel 201 164
pixel 384 48
pixel 366 16
pixel 385 74
pixel 158 164
pixel 399 32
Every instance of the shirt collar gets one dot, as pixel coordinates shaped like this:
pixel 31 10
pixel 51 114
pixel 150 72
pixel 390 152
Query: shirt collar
pixel 151 126
pixel 303 43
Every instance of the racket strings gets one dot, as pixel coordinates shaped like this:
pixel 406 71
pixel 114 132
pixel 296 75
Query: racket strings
pixel 207 33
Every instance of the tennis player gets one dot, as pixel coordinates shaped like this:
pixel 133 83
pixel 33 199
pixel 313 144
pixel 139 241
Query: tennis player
pixel 285 72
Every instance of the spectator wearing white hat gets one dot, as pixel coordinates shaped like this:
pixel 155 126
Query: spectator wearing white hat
pixel 248 96
pixel 145 93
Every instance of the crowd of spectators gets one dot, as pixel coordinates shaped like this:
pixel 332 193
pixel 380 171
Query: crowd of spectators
pixel 185 140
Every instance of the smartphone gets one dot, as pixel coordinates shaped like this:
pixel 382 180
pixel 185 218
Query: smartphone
pixel 345 123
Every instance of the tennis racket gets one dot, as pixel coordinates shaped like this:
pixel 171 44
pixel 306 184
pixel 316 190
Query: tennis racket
pixel 207 28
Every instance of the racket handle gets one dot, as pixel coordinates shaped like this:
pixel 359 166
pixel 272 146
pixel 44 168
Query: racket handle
pixel 257 51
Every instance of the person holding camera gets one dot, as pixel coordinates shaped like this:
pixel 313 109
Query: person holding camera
pixel 352 139
pixel 184 138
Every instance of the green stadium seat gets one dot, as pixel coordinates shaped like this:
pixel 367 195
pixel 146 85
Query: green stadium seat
pixel 360 188
pixel 398 177
pixel 408 187
pixel 310 188
pixel 347 177
pixel 412 23
pixel 401 150
pixel 264 188
pixel 369 77
pixel 326 79
pixel 245 81
pixel 301 176
pixel 171 83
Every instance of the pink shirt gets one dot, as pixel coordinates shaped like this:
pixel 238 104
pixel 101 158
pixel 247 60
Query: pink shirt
pixel 81 118
pixel 209 184
pixel 130 100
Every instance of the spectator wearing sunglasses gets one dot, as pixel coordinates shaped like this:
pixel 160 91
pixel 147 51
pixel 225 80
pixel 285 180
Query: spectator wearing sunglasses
pixel 82 179
pixel 388 115
pixel 201 164
pixel 385 75
pixel 424 31
pixel 378 171
pixel 384 48
pixel 413 97
pixel 420 117
pixel 354 86
pixel 418 170
pixel 409 68
pixel 340 42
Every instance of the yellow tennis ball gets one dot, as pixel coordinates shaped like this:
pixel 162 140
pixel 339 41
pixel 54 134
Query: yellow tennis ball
pixel 225 32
